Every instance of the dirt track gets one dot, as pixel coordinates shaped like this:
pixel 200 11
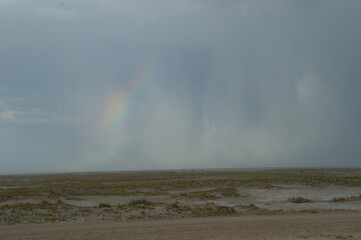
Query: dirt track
pixel 310 226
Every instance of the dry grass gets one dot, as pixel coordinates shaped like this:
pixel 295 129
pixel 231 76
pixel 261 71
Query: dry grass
pixel 345 199
pixel 299 200
pixel 203 186
pixel 104 205
pixel 201 195
pixel 227 192
pixel 158 183
pixel 140 202
pixel 173 205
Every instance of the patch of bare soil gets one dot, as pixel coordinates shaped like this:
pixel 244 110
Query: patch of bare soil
pixel 308 226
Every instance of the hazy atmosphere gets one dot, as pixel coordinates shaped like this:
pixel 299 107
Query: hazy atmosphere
pixel 136 85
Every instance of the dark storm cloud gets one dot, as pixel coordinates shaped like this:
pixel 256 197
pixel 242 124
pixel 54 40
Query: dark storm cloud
pixel 237 84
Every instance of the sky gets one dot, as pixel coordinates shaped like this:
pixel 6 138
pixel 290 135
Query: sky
pixel 117 85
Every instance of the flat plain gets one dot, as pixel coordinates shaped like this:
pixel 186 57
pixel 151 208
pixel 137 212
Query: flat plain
pixel 183 204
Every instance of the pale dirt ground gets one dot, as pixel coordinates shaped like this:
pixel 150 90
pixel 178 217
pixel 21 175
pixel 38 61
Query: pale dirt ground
pixel 319 226
pixel 272 199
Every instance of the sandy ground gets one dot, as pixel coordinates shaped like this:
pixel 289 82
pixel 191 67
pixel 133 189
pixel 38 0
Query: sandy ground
pixel 273 199
pixel 308 226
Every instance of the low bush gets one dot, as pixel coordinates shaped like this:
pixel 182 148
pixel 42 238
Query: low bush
pixel 342 199
pixel 173 205
pixel 299 200
pixel 104 205
pixel 140 202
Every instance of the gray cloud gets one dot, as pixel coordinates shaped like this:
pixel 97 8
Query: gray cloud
pixel 236 84
pixel 7 115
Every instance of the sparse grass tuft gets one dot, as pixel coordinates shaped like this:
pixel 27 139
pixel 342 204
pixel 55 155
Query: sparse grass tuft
pixel 340 237
pixel 104 205
pixel 120 206
pixel 140 202
pixel 224 210
pixel 299 200
pixel 201 195
pixel 173 205
pixel 44 202
pixel 342 199
pixel 135 217
pixel 52 218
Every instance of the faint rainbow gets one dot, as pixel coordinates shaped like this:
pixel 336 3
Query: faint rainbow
pixel 121 100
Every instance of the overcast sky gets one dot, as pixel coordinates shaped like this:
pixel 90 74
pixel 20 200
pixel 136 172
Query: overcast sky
pixel 97 85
